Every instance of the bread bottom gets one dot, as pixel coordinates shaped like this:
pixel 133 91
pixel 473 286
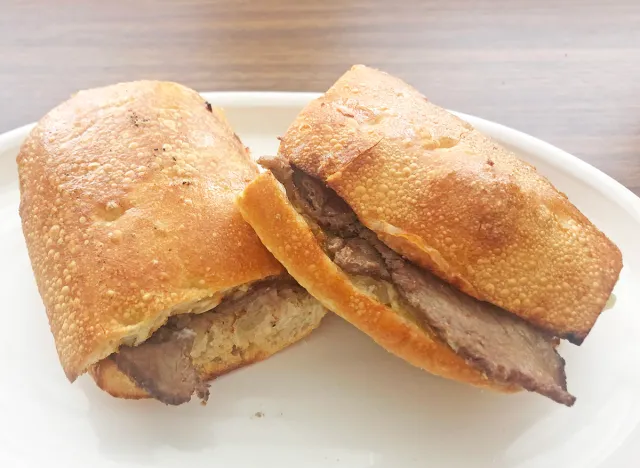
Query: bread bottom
pixel 232 339
pixel 264 205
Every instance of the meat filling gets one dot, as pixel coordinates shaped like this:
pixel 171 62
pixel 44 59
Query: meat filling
pixel 506 348
pixel 163 366
pixel 358 257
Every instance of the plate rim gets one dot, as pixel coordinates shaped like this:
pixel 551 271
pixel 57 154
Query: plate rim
pixel 559 159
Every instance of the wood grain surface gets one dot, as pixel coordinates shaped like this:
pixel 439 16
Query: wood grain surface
pixel 566 71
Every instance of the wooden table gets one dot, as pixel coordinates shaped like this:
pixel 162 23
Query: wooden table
pixel 566 71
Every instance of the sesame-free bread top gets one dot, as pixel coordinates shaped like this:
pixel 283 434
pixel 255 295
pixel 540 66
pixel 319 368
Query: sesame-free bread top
pixel 127 205
pixel 455 202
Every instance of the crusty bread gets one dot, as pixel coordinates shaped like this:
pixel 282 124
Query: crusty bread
pixel 264 204
pixel 455 202
pixel 232 340
pixel 127 207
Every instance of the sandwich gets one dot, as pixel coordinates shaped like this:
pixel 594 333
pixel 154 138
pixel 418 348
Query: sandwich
pixel 152 281
pixel 431 238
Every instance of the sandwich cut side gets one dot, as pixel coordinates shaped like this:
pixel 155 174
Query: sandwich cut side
pixel 250 323
pixel 501 346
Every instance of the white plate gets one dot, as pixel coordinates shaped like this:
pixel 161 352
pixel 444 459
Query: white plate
pixel 335 399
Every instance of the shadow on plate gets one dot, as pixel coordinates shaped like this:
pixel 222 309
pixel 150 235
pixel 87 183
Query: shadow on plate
pixel 135 430
pixel 335 390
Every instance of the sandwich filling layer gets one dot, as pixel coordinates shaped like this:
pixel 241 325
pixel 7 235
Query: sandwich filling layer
pixel 501 345
pixel 170 364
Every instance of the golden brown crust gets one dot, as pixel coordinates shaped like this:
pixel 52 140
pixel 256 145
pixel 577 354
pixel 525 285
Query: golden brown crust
pixel 127 208
pixel 286 234
pixel 455 202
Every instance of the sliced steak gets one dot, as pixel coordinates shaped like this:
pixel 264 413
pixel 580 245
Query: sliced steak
pixel 162 366
pixel 311 196
pixel 505 347
pixel 358 257
pixel 280 168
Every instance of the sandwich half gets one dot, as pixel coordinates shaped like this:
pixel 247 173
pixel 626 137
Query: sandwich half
pixel 441 245
pixel 151 279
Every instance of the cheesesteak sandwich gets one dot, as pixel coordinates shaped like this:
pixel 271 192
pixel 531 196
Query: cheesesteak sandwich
pixel 441 245
pixel 151 279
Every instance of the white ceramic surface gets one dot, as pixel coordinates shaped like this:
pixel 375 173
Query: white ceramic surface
pixel 336 399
